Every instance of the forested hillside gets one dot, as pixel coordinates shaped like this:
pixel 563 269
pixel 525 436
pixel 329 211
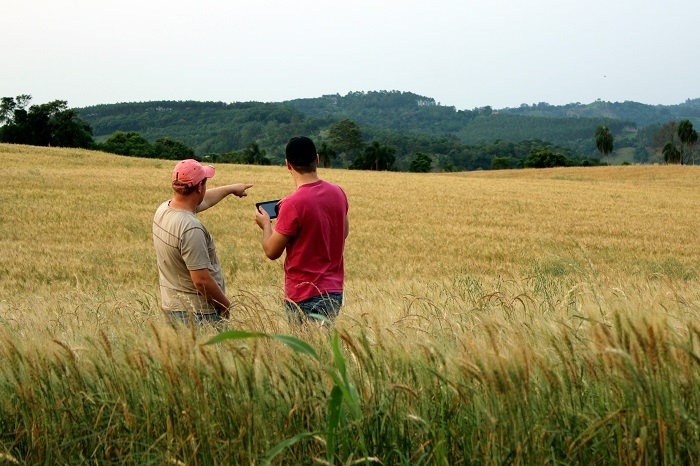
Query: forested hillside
pixel 204 126
pixel 404 123
pixel 641 114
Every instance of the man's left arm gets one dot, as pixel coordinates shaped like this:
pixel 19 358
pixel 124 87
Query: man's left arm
pixel 214 195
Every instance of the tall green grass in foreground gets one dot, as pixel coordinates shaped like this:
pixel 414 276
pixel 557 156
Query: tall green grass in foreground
pixel 609 389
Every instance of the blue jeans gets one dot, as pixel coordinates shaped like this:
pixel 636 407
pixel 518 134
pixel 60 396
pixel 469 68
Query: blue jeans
pixel 326 305
pixel 185 318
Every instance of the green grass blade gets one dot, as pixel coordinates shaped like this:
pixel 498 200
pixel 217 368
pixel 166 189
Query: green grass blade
pixel 334 405
pixel 300 346
pixel 338 357
pixel 234 335
pixel 280 447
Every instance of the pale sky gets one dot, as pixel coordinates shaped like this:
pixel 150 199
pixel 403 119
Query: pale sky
pixel 462 53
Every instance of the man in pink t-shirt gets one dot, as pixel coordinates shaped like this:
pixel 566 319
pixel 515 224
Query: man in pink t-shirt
pixel 312 225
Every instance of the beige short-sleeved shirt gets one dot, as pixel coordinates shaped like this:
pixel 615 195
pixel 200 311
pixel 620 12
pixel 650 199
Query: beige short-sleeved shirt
pixel 182 244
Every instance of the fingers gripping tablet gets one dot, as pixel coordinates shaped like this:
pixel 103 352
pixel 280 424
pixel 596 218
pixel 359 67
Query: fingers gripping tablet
pixel 271 207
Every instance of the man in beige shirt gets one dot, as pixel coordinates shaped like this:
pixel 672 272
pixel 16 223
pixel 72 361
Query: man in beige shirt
pixel 192 285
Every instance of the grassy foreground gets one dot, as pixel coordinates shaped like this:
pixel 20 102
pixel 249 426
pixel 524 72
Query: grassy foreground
pixel 511 317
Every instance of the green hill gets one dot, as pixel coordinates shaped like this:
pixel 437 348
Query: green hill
pixel 641 114
pixel 408 122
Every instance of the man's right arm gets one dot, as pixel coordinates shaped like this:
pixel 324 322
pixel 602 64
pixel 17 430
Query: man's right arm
pixel 214 195
pixel 207 287
pixel 273 242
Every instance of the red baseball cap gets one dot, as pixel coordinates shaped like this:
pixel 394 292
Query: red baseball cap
pixel 190 172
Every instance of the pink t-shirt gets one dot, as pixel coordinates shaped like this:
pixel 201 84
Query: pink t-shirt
pixel 313 217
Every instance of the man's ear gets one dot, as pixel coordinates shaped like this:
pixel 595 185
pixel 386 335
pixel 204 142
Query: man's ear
pixel 289 165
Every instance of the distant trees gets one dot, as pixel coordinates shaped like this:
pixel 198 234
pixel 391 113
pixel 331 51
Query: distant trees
pixel 134 144
pixel 253 155
pixel 683 152
pixel 666 133
pixel 345 137
pixel 420 163
pixel 688 138
pixel 8 105
pixel 375 157
pixel 50 124
pixel 671 153
pixel 665 141
pixel 386 109
pixel 604 140
pixel 458 140
pixel 127 143
pixel 326 154
pixel 225 157
pixel 483 138
pixel 501 163
pixel 641 155
pixel 166 148
pixel 546 158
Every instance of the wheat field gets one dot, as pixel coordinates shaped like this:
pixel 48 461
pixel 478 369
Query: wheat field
pixel 478 305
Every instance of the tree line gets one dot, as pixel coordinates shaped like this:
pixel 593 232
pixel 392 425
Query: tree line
pixel 50 124
pixel 255 133
pixel 679 141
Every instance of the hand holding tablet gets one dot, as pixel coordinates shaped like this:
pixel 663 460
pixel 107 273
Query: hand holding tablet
pixel 271 207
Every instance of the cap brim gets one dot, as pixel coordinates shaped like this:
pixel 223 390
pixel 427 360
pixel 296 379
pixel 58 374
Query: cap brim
pixel 208 171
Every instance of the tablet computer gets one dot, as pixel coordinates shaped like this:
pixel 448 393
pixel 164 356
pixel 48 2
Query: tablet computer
pixel 271 207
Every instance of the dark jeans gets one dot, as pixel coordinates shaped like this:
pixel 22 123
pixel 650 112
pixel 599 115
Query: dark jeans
pixel 326 305
pixel 187 318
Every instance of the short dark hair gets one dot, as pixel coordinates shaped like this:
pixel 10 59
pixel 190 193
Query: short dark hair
pixel 186 189
pixel 301 152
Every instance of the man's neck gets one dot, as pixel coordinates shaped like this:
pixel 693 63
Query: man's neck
pixel 305 178
pixel 184 203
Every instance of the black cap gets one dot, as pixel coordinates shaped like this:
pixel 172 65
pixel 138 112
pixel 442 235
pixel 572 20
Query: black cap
pixel 301 151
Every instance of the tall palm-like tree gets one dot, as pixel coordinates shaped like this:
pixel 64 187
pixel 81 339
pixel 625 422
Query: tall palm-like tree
pixel 380 157
pixel 604 140
pixel 671 153
pixel 688 137
pixel 692 140
pixel 325 154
